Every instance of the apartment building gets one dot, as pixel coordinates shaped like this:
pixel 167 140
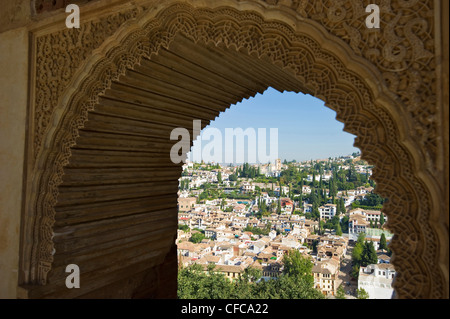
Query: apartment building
pixel 376 280
pixel 328 211
pixel 326 276
pixel 357 223
pixel 186 204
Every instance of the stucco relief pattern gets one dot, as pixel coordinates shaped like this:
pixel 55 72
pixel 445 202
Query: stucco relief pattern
pixel 58 55
pixel 324 76
pixel 402 49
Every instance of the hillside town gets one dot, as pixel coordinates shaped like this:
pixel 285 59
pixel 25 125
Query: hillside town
pixel 241 216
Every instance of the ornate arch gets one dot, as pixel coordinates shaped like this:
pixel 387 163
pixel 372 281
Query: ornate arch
pixel 370 107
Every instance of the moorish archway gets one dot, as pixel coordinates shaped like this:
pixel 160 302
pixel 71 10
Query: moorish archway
pixel 101 189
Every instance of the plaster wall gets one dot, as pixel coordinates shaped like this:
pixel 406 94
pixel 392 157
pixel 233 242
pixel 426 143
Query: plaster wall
pixel 13 106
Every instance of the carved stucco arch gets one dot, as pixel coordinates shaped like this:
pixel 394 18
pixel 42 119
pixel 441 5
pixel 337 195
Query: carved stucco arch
pixel 329 68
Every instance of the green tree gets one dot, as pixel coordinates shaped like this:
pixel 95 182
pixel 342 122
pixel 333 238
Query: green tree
pixel 223 203
pixel 357 255
pixel 383 244
pixel 340 294
pixel 338 230
pixel 251 274
pixel 355 271
pixel 314 179
pixel 344 224
pixel 382 221
pixel 361 238
pixel 297 265
pixel 196 238
pixel 194 283
pixel 362 294
pixel 342 209
pixel 373 200
pixel 351 174
pixel 184 228
pixel 369 255
pixel 286 287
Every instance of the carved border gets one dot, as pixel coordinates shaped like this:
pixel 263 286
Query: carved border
pixel 358 102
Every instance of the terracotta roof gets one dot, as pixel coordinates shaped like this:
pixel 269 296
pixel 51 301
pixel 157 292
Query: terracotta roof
pixel 384 257
pixel 186 245
pixel 386 266
pixel 229 268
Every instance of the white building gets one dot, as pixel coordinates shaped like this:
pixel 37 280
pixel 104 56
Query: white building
pixel 267 199
pixel 278 164
pixel 272 170
pixel 376 280
pixel 357 223
pixel 328 211
pixel 307 208
pixel 306 189
pixel 188 165
pixel 197 181
pixel 370 215
pixel 247 187
pixel 309 178
pixel 284 190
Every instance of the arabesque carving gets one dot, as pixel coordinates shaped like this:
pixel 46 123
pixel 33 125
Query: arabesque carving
pixel 402 49
pixel 59 56
pixel 402 52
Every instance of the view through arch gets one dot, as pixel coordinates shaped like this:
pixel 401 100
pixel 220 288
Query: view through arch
pixel 93 122
pixel 228 213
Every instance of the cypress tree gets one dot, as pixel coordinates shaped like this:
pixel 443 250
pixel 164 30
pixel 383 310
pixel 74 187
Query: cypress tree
pixel 342 206
pixel 369 255
pixel 383 244
pixel 314 178
pixel 338 230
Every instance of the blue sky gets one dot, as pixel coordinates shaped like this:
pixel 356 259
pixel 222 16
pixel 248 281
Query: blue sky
pixel 307 129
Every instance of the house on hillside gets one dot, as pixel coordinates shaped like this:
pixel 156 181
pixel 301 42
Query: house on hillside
pixel 376 280
pixel 328 211
pixel 326 276
pixel 186 204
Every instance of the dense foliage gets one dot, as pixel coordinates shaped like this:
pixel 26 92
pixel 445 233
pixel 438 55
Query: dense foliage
pixel 363 254
pixel 371 201
pixel 296 282
pixel 259 231
pixel 197 238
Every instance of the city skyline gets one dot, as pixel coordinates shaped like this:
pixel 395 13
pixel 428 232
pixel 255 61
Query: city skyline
pixel 307 129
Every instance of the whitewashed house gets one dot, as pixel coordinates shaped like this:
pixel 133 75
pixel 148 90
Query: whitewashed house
pixel 376 280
